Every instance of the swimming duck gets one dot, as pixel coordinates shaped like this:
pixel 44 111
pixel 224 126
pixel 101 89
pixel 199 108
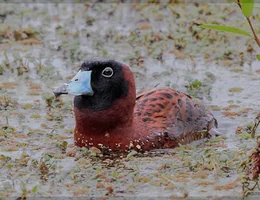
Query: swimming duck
pixel 110 115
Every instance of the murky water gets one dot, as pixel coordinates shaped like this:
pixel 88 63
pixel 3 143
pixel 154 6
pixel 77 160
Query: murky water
pixel 33 162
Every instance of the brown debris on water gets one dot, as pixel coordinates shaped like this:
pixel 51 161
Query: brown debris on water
pixel 257 122
pixel 27 36
pixel 228 186
pixel 239 130
pixel 254 160
pixel 30 41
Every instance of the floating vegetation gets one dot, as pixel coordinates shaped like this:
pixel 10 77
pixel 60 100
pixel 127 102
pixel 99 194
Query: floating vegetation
pixel 42 45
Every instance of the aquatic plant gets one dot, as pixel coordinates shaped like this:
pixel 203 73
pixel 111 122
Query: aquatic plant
pixel 247 7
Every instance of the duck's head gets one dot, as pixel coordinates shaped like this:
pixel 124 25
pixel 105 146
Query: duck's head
pixel 101 87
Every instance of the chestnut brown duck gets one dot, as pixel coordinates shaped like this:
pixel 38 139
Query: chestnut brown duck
pixel 110 115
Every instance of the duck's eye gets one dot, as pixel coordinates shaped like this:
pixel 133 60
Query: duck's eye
pixel 107 72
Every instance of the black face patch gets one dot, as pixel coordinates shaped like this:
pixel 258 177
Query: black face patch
pixel 106 89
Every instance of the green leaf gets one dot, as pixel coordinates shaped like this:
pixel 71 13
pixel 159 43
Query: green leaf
pixel 226 29
pixel 196 84
pixel 35 188
pixel 245 136
pixel 247 7
pixel 258 56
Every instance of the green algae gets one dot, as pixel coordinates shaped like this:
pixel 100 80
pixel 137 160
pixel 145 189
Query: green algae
pixel 163 45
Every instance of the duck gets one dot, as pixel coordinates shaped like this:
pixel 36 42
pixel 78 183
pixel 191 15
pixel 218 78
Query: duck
pixel 110 115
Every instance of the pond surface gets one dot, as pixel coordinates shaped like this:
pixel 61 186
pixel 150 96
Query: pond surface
pixel 43 45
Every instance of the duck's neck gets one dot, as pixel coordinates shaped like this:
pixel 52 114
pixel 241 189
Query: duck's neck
pixel 92 122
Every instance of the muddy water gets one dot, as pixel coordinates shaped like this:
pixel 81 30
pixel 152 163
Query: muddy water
pixel 34 162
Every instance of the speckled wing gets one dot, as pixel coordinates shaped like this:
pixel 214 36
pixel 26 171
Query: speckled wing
pixel 176 113
pixel 144 92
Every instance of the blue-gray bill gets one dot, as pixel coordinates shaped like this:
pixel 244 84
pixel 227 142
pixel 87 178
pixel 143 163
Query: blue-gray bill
pixel 61 90
pixel 80 84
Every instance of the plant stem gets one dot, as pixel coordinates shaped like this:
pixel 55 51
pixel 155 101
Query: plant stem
pixel 251 26
pixel 253 31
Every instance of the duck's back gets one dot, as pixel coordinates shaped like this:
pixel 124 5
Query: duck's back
pixel 172 116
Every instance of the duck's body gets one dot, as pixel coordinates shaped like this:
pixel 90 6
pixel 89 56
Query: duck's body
pixel 115 118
